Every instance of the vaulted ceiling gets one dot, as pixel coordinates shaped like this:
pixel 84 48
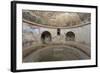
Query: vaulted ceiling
pixel 54 18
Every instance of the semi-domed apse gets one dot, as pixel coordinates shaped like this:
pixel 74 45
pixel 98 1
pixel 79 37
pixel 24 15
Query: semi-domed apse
pixel 55 36
pixel 56 19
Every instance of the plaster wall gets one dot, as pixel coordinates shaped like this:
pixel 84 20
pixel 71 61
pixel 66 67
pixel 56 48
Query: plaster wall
pixel 82 33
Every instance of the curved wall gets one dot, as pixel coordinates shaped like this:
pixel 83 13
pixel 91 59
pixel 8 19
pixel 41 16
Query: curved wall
pixel 82 33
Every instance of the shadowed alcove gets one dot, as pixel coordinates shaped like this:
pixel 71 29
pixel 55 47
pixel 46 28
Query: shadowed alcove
pixel 46 37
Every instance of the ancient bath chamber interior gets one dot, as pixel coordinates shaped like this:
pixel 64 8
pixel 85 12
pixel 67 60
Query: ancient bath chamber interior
pixel 55 43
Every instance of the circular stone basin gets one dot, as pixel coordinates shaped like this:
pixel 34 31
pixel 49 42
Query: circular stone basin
pixel 56 54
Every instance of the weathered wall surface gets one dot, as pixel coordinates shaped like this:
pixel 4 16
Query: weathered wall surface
pixel 82 33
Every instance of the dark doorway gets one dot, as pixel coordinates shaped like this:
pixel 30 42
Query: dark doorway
pixel 46 37
pixel 70 36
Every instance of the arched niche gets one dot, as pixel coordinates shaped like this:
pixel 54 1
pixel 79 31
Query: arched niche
pixel 70 36
pixel 46 37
